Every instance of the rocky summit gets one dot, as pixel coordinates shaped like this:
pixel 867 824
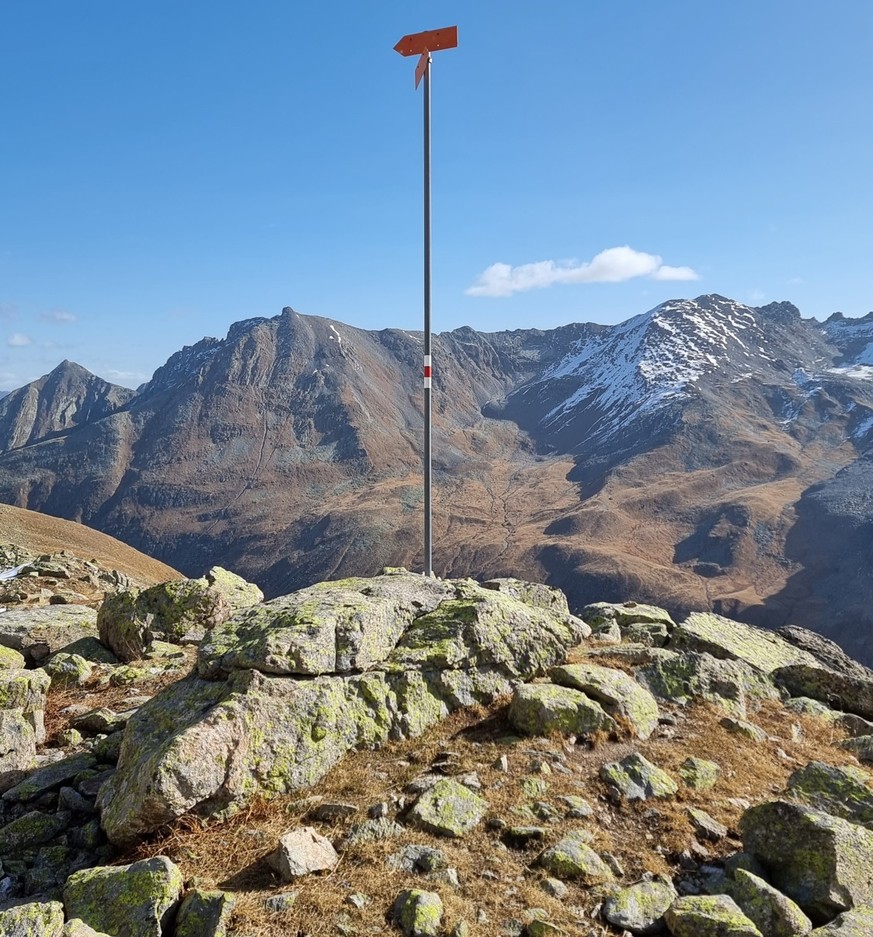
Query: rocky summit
pixel 427 757
pixel 705 455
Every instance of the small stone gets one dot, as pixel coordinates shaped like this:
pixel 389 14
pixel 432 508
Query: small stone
pixel 699 774
pixel 301 852
pixel 448 877
pixel 520 837
pixel 573 858
pixel 640 908
pixel 448 809
pixel 541 928
pixel 542 708
pixel 554 887
pixel 372 831
pixel 377 811
pixel 415 858
pixel 705 825
pixel 746 729
pixel 419 913
pixel 577 807
pixel 357 900
pixel 502 764
pixel 279 903
pixel 331 812
pixel 635 778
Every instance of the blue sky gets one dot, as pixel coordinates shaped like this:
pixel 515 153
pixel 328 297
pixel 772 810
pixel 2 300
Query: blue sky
pixel 169 168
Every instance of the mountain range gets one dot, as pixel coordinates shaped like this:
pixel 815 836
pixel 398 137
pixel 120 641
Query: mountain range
pixel 704 454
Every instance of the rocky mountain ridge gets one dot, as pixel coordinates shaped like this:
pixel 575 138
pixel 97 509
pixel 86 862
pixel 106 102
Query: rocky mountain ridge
pixel 696 455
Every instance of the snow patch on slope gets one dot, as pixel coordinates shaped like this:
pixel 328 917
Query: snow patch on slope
pixel 642 365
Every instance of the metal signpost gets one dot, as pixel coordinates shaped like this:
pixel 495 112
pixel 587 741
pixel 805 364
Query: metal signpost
pixel 422 44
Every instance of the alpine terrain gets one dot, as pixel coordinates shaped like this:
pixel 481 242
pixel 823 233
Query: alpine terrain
pixel 702 455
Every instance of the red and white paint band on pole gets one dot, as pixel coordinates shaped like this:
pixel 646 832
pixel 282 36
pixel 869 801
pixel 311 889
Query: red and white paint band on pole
pixel 428 370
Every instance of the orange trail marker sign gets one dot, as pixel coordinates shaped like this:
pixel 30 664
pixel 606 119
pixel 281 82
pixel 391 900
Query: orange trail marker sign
pixel 433 40
pixel 422 44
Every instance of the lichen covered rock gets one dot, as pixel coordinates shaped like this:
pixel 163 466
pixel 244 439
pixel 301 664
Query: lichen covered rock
pixel 448 809
pixel 175 611
pixel 640 908
pixel 40 631
pixel 204 914
pixel 773 913
pixel 36 919
pixel 699 774
pixel 135 900
pixel 573 858
pixel 419 913
pixel 857 923
pixel 687 676
pixel 619 694
pixel 211 744
pixel 543 708
pixel 732 640
pixel 823 863
pixel 843 792
pixel 708 916
pixel 635 778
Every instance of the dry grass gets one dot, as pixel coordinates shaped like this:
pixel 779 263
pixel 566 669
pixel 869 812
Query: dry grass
pixel 500 882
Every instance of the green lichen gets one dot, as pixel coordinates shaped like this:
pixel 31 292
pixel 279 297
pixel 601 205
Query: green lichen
pixel 619 694
pixel 448 809
pixel 842 792
pixel 125 901
pixel 543 708
pixel 11 659
pixel 708 916
pixel 37 919
pixel 635 778
pixel 699 774
pixel 573 858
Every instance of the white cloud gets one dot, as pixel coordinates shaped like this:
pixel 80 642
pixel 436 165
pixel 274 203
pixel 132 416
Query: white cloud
pixel 59 315
pixel 18 340
pixel 614 265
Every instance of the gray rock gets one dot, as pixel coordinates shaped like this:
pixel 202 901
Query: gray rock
pixel 40 631
pixel 640 908
pixel 861 747
pixel 573 858
pixel 857 923
pixel 687 676
pixel 773 913
pixel 275 735
pixel 619 694
pixel 843 792
pixel 542 708
pixel 137 900
pixel 204 914
pixel 301 852
pixel 31 830
pixel 635 778
pixel 50 778
pixel 419 913
pixel 823 863
pixel 372 831
pixel 852 694
pixel 699 774
pixel 448 809
pixel 421 859
pixel 746 729
pixel 36 919
pixel 708 916
pixel 705 826
pixel 68 670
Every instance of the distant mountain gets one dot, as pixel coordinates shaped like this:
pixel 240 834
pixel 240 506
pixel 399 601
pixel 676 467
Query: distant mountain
pixel 703 454
pixel 66 397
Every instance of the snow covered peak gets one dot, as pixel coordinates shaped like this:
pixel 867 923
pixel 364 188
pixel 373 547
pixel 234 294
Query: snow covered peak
pixel 653 359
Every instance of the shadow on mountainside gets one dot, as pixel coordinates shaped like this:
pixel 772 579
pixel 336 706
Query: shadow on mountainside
pixel 832 539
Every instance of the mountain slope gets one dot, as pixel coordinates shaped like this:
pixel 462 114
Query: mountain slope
pixel 66 397
pixel 671 457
